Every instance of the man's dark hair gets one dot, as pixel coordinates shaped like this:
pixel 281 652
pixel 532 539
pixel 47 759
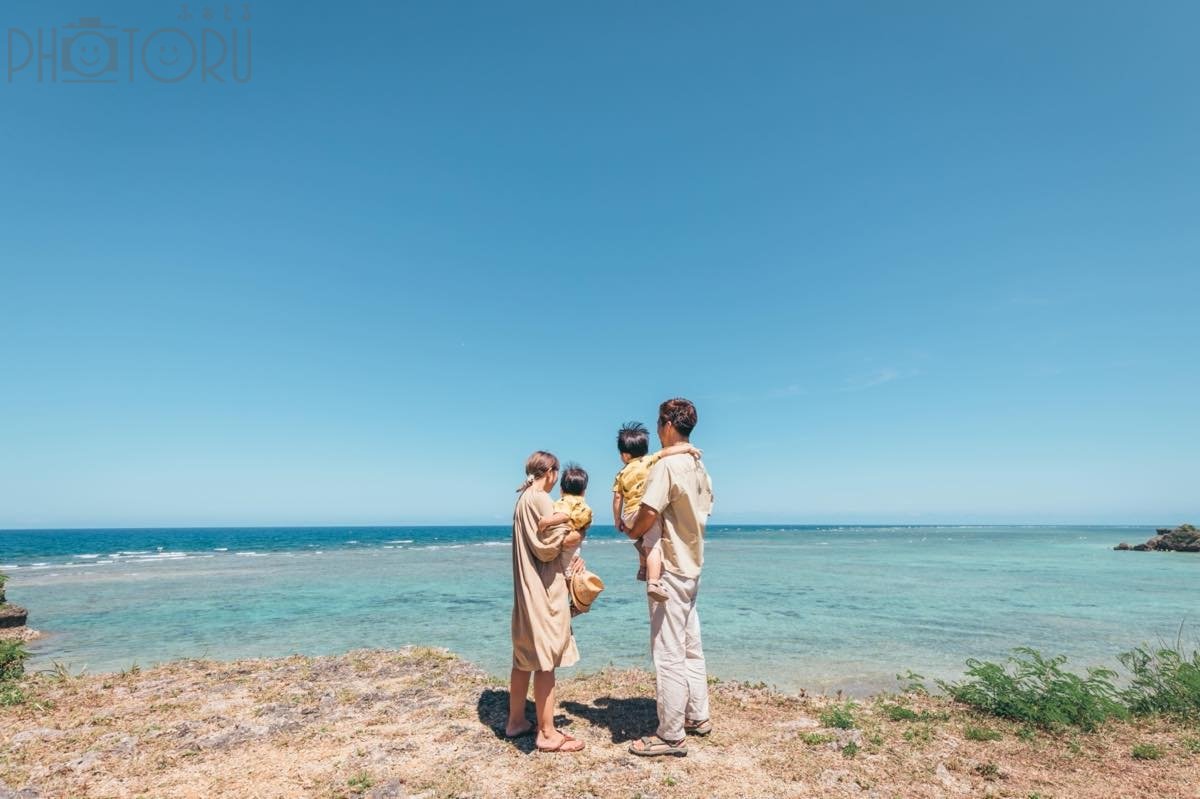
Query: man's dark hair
pixel 633 439
pixel 680 413
pixel 574 479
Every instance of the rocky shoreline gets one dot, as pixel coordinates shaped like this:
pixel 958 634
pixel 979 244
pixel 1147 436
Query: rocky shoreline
pixel 421 722
pixel 1184 538
pixel 13 618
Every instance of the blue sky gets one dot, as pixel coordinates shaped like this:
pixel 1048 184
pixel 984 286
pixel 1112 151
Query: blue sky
pixel 930 262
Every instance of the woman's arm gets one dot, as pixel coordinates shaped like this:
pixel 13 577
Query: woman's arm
pixel 546 522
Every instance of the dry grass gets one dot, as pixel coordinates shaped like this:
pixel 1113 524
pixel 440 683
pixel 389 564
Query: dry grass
pixel 420 722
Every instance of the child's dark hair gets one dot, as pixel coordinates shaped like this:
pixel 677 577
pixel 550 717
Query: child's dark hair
pixel 633 439
pixel 574 479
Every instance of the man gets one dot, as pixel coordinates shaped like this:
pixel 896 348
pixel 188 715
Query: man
pixel 679 493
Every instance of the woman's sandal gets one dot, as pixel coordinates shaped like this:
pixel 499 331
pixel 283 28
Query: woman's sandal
pixel 655 590
pixel 653 746
pixel 697 727
pixel 566 739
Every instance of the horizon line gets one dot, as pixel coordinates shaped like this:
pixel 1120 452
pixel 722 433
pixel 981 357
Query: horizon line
pixel 503 525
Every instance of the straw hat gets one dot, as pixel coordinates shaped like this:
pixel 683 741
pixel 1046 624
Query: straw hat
pixel 584 586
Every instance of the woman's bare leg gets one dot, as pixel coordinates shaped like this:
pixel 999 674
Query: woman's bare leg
pixel 518 689
pixel 543 698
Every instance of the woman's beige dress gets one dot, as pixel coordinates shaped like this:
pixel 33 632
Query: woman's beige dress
pixel 541 617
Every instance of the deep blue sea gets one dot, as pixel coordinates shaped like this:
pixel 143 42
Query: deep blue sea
pixel 810 607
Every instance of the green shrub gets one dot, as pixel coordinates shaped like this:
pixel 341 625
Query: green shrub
pixel 839 716
pixel 1038 691
pixel 897 713
pixel 11 694
pixel 1146 752
pixel 360 782
pixel 12 659
pixel 989 771
pixel 972 733
pixel 816 738
pixel 1162 681
pixel 912 683
pixel 919 734
pixel 850 750
pixel 1192 745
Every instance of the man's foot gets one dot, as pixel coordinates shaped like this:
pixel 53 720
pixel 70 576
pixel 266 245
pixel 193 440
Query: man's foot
pixel 653 746
pixel 655 590
pixel 561 743
pixel 697 727
pixel 518 731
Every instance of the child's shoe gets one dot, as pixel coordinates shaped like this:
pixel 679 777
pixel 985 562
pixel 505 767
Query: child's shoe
pixel 655 590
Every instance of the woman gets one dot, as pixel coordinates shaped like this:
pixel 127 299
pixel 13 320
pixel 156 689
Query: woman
pixel 541 617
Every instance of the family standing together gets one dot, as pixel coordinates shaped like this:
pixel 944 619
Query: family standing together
pixel 662 502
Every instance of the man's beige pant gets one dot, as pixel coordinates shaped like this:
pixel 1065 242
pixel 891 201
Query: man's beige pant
pixel 678 657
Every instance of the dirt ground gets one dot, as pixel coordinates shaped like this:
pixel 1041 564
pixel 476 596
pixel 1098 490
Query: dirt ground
pixel 422 723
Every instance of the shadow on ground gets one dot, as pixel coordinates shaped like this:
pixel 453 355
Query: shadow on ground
pixel 492 708
pixel 626 719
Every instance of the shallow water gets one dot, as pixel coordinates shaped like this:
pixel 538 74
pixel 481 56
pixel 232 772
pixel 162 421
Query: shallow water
pixel 820 608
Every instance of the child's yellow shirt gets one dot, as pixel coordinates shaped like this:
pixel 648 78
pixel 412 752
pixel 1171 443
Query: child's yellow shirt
pixel 578 512
pixel 631 482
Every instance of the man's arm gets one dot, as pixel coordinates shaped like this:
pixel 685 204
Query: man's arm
pixel 644 521
pixel 655 498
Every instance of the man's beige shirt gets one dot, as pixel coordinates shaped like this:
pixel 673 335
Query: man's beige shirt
pixel 679 488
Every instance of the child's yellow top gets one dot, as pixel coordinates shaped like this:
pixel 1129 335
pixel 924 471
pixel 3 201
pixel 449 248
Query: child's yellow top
pixel 631 482
pixel 578 512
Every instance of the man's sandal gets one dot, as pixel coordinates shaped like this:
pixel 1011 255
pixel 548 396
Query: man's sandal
pixel 653 746
pixel 562 745
pixel 655 590
pixel 697 727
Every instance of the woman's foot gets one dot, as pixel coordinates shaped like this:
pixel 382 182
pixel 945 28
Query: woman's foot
pixel 558 742
pixel 518 730
pixel 655 590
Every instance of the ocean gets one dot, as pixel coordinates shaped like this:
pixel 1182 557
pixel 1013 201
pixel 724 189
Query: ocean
pixel 799 607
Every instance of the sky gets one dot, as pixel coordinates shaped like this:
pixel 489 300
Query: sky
pixel 931 262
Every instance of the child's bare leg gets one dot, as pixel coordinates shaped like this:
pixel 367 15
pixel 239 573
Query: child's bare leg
pixel 654 586
pixel 654 564
pixel 641 550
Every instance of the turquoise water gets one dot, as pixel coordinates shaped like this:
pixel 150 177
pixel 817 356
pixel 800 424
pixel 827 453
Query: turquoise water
pixel 820 608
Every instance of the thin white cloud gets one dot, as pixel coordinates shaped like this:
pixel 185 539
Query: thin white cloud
pixel 787 391
pixel 875 379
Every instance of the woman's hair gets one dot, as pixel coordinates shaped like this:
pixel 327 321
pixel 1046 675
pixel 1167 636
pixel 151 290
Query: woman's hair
pixel 537 466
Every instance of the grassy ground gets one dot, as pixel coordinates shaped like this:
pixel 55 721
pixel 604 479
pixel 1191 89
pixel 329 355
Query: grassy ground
pixel 420 722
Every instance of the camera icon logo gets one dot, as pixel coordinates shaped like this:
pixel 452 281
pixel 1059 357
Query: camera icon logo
pixel 89 52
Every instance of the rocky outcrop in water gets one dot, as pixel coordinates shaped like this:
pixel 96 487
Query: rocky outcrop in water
pixel 1184 538
pixel 10 615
